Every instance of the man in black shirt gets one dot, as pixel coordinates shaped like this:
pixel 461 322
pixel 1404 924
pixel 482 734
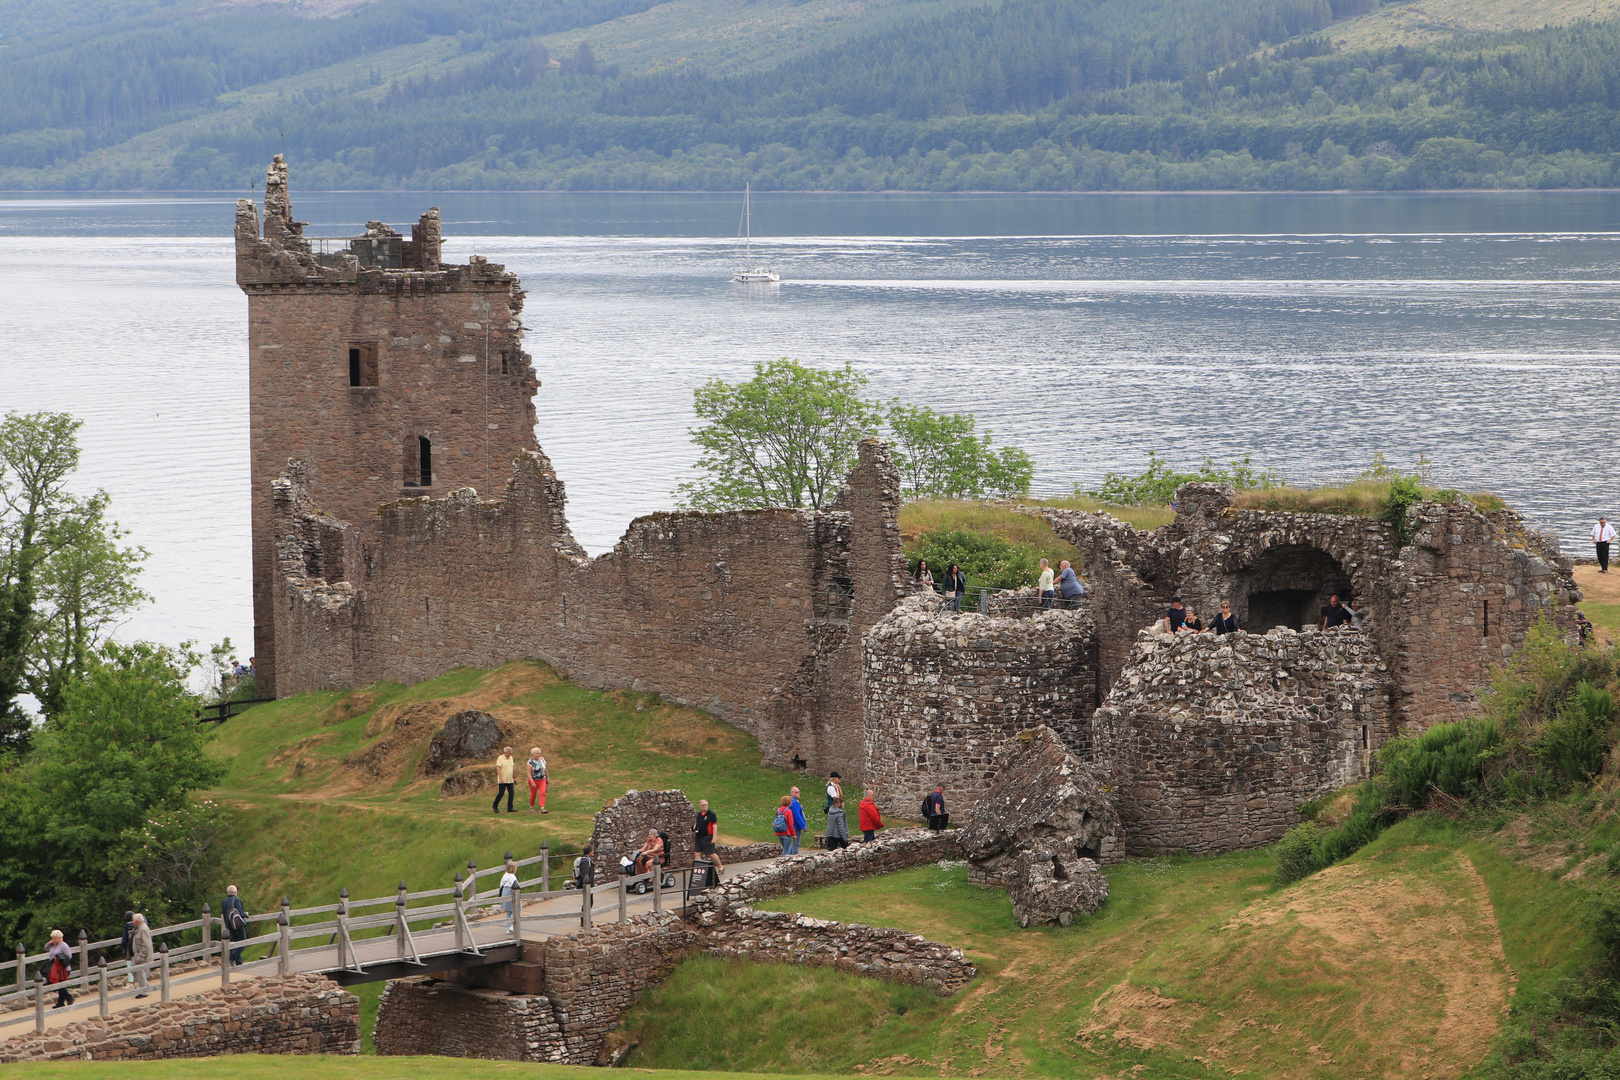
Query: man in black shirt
pixel 934 808
pixel 1175 617
pixel 1335 614
pixel 704 834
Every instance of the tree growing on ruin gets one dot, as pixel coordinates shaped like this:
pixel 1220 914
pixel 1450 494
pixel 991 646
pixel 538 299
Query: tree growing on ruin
pixel 786 437
pixel 65 578
pixel 943 456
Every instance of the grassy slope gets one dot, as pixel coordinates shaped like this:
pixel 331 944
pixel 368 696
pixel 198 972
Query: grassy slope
pixel 1435 20
pixel 1000 519
pixel 1196 967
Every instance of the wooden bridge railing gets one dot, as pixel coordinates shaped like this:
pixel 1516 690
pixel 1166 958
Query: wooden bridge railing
pixel 402 916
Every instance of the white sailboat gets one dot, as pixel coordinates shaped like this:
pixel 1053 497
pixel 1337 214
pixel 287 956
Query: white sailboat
pixel 751 274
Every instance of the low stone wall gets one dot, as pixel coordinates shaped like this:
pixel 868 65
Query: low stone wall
pixel 741 853
pixel 945 691
pixel 877 952
pixel 621 828
pixel 1213 742
pixel 294 1014
pixel 894 849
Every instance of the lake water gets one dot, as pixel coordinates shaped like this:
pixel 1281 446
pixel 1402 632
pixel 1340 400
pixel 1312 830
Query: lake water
pixel 1312 331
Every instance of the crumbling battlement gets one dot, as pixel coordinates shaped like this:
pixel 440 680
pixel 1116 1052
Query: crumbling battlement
pixel 715 610
pixel 1441 609
pixel 946 691
pixel 1212 742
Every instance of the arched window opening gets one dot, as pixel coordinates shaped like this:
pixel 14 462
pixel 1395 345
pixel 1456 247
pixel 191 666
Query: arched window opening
pixel 1288 586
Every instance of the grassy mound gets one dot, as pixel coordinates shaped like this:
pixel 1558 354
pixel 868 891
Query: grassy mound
pixel 1400 961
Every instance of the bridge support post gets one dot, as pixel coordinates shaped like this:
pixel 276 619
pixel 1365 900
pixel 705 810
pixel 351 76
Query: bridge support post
pixel 284 946
pixel 343 927
pixel 400 930
pixel 545 867
pixel 84 961
pixel 585 913
pixel 207 933
pixel 22 967
pixel 472 881
pixel 517 918
pixel 658 887
pixel 624 898
pixel 461 917
pixel 39 1003
pixel 163 973
pixel 102 987
pixel 224 959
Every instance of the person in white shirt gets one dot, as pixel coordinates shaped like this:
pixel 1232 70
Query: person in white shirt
pixel 509 882
pixel 1047 591
pixel 1602 536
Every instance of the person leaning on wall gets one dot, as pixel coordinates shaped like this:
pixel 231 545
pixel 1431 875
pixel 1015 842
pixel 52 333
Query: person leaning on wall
pixel 870 819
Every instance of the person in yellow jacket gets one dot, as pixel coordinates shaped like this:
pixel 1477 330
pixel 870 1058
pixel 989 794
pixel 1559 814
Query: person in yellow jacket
pixel 503 776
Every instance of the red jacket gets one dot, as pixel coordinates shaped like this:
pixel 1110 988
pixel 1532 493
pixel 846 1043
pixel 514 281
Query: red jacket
pixel 870 818
pixel 787 814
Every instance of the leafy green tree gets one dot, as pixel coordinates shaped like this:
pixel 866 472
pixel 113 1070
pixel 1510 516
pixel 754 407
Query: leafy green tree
pixel 942 455
pixel 65 578
pixel 786 437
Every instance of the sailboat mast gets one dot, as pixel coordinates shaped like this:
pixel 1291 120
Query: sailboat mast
pixel 748 223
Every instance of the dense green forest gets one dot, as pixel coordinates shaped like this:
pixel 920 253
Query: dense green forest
pixel 1020 95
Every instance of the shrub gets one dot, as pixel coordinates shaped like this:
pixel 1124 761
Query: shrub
pixel 1296 853
pixel 986 560
pixel 1450 758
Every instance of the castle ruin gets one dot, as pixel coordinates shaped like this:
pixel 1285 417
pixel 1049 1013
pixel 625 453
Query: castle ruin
pixel 389 389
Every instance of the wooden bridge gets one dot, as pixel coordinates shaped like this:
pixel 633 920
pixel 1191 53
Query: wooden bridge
pixel 351 941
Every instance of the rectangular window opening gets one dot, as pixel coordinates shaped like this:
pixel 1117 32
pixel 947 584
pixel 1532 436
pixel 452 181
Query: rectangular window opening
pixel 1484 618
pixel 424 449
pixel 1364 734
pixel 506 363
pixel 363 363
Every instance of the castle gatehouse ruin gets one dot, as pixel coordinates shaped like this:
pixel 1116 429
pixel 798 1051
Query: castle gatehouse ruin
pixel 389 389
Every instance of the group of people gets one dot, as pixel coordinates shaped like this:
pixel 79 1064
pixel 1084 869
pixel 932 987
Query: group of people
pixel 790 823
pixel 505 778
pixel 1061 587
pixel 1179 618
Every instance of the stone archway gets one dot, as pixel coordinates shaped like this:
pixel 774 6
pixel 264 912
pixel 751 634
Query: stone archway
pixel 1287 585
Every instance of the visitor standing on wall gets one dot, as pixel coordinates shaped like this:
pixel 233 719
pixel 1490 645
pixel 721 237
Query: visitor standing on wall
pixel 1335 614
pixel 783 824
pixel 141 954
pixel 1192 623
pixel 955 586
pixel 924 577
pixel 234 916
pixel 870 820
pixel 509 882
pixel 933 808
pixel 1226 622
pixel 537 780
pixel 835 791
pixel 1045 585
pixel 503 776
pixel 60 954
pixel 703 835
pixel 1602 537
pixel 799 820
pixel 1358 615
pixel 1174 616
pixel 1069 586
pixel 837 826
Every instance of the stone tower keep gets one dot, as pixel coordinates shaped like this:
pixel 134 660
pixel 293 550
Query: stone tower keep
pixel 389 373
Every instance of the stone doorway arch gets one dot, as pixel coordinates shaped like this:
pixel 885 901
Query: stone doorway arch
pixel 1287 585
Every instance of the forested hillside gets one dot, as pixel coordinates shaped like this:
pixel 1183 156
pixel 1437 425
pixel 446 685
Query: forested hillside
pixel 824 94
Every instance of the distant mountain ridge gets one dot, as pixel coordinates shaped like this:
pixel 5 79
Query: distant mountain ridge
pixel 820 94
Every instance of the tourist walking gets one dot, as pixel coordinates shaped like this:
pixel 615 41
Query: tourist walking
pixel 537 780
pixel 1069 586
pixel 1174 616
pixel 141 954
pixel 703 835
pixel 835 791
pixel 799 820
pixel 129 932
pixel 783 824
pixel 837 826
pixel 955 586
pixel 1226 622
pixel 923 577
pixel 1045 585
pixel 509 884
pixel 1335 614
pixel 60 954
pixel 933 808
pixel 869 819
pixel 234 917
pixel 585 873
pixel 503 776
pixel 1602 537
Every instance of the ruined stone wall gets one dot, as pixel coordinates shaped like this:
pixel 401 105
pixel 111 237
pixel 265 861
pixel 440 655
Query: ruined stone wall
pixel 443 355
pixel 945 691
pixel 292 1014
pixel 1441 609
pixel 894 849
pixel 621 828
pixel 1213 742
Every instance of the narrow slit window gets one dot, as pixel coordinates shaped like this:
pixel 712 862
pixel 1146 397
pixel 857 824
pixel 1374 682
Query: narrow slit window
pixel 506 363
pixel 424 451
pixel 1364 733
pixel 1484 618
pixel 363 363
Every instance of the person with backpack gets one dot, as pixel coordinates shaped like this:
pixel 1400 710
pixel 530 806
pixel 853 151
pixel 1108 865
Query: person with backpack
pixel 933 808
pixel 61 969
pixel 800 822
pixel 509 882
pixel 537 780
pixel 141 954
pixel 837 826
pixel 129 932
pixel 234 916
pixel 585 872
pixel 786 834
pixel 870 820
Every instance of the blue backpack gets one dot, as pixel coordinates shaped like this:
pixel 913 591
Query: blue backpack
pixel 780 824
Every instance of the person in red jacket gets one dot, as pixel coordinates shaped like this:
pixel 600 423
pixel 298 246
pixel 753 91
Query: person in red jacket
pixel 785 831
pixel 871 820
